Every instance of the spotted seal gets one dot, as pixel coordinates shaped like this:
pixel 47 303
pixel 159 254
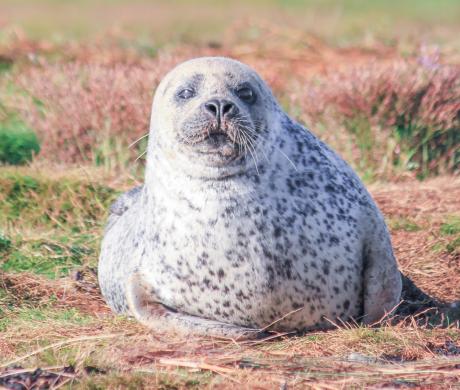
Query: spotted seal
pixel 246 220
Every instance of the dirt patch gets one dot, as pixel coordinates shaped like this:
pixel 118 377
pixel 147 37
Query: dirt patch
pixel 19 378
pixel 448 348
pixel 83 294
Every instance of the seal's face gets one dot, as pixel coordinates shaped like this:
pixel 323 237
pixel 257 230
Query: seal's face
pixel 218 113
pixel 219 124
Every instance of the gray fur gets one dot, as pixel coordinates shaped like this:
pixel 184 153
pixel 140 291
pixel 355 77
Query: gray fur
pixel 243 221
pixel 123 203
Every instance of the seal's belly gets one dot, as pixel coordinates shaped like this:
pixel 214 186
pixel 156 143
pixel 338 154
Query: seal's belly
pixel 254 270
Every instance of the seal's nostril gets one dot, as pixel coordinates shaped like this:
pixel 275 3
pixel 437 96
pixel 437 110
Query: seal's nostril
pixel 227 108
pixel 213 106
pixel 220 108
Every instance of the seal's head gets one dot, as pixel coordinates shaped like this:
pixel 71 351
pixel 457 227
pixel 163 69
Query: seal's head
pixel 210 117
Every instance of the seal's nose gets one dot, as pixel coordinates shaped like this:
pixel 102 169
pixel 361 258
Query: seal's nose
pixel 221 108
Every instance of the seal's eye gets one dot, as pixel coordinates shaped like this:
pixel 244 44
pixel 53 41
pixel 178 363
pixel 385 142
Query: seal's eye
pixel 246 94
pixel 186 93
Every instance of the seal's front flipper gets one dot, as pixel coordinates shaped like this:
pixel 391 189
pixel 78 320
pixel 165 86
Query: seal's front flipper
pixel 144 306
pixel 126 200
pixel 122 204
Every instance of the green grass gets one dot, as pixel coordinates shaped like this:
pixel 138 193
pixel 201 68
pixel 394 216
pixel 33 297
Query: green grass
pixel 451 229
pixel 69 316
pixel 60 222
pixel 178 379
pixel 5 243
pixel 51 258
pixel 424 148
pixel 54 203
pixel 162 23
pixel 371 337
pixel 403 223
pixel 454 245
pixel 35 316
pixel 18 143
pixel 451 226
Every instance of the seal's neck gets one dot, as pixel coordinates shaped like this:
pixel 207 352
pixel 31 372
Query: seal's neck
pixel 177 178
pixel 162 177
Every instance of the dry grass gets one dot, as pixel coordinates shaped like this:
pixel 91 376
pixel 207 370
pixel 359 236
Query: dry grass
pixel 80 292
pixel 421 248
pixel 122 349
pixel 76 328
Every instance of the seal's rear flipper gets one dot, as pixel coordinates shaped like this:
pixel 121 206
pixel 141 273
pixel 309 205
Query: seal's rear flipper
pixel 150 312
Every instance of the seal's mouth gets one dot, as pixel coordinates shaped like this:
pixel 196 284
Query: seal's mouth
pixel 217 143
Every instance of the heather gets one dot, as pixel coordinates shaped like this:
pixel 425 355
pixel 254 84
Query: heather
pixel 403 113
pixel 399 115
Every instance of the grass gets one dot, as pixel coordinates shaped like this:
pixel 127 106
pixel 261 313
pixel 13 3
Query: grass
pixel 18 143
pixel 63 218
pixel 53 315
pixel 290 361
pixel 50 258
pixel 37 317
pixel 403 223
pixel 376 81
pixel 58 203
pixel 451 226
pixel 341 22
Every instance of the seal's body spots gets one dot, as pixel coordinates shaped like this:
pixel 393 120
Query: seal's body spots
pixel 245 218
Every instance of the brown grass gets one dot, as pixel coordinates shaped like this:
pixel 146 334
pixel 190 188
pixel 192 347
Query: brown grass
pixel 405 354
pixel 79 292
pixel 422 253
pixel 332 359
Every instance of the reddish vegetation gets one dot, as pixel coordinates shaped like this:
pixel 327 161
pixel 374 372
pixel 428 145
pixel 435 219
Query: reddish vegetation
pixel 417 104
pixel 81 106
pixel 408 107
pixel 397 93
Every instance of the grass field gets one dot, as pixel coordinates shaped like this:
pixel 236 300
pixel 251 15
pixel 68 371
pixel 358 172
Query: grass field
pixel 379 81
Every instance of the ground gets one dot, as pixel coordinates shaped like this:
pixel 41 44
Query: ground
pixel 379 83
pixel 55 322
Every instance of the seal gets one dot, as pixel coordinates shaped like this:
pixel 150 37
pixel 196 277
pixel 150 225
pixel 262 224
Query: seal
pixel 246 221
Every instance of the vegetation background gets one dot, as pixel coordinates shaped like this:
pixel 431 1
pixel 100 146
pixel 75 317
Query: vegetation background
pixel 377 80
